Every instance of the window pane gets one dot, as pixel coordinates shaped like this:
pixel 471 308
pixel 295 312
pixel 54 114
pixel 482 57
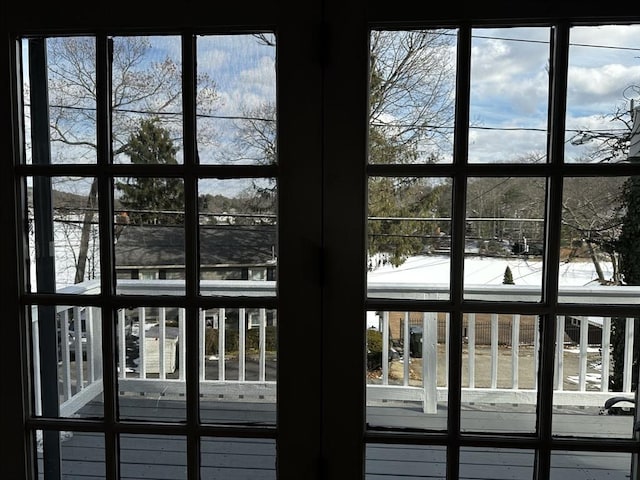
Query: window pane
pixel 63 213
pixel 412 96
pixel 496 463
pixel 610 465
pixel 236 99
pixel 150 364
pixel 596 365
pixel 407 370
pixel 499 368
pixel 598 240
pixel 153 456
pixel 66 77
pixel 600 92
pixel 67 361
pixel 509 95
pixel 405 461
pixel 238 368
pixel 146 72
pixel 238 458
pixel 81 454
pixel 238 236
pixel 408 228
pixel 504 238
pixel 149 235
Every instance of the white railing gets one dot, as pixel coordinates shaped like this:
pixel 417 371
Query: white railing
pixel 151 349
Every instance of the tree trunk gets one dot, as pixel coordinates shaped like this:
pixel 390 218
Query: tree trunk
pixel 87 222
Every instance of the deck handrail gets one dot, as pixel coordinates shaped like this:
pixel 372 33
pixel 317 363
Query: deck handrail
pixel 81 359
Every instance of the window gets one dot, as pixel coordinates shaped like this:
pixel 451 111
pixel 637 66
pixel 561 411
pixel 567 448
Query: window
pixel 322 244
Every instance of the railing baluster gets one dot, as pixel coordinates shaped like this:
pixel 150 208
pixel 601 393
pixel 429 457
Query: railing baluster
pixel 89 345
pixel 407 349
pixel 182 345
pixel 66 355
pixel 559 370
pixel 385 348
pixel 605 354
pixel 221 344
pixel 262 346
pixel 494 350
pixel 430 361
pixel 515 350
pixel 471 348
pixel 37 381
pixel 162 333
pixel 202 327
pixel 242 350
pixel 584 343
pixel 628 356
pixel 77 345
pixel 446 348
pixel 122 344
pixel 142 343
pixel 536 347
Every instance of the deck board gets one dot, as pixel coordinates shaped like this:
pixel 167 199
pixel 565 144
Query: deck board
pixel 163 457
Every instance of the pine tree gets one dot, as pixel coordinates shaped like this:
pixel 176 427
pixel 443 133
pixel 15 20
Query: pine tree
pixel 152 200
pixel 508 277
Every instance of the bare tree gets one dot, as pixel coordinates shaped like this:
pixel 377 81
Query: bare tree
pixel 592 218
pixel 410 121
pixel 141 87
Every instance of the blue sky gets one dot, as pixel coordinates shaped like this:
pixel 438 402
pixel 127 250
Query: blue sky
pixel 510 85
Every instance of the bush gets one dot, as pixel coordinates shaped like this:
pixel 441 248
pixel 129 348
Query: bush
pixel 232 340
pixel 374 349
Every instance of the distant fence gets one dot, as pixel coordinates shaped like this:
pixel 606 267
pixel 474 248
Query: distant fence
pixel 526 333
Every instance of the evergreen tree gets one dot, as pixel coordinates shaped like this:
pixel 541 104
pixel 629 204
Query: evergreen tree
pixel 629 251
pixel 152 200
pixel 508 277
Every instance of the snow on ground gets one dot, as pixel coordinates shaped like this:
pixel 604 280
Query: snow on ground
pixel 484 271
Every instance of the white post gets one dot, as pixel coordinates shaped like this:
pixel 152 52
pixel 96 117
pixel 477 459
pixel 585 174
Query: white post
pixel 262 347
pixel 66 355
pixel 515 350
pixel 494 350
pixel 201 344
pixel 584 343
pixel 37 381
pixel 471 348
pixel 162 334
pixel 606 353
pixel 182 345
pixel 222 326
pixel 122 345
pixel 628 355
pixel 430 361
pixel 142 339
pixel 242 322
pixel 77 346
pixel 385 348
pixel 407 349
pixel 559 374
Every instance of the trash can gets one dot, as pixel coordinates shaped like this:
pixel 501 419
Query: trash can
pixel 415 341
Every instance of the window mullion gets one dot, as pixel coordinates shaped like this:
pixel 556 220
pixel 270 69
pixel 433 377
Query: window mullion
pixel 192 270
pixel 104 51
pixel 553 225
pixel 461 148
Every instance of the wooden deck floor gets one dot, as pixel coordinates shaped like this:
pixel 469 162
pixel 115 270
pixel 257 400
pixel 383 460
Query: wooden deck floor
pixel 163 457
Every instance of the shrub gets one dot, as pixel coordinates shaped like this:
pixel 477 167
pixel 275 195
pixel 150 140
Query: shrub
pixel 232 340
pixel 374 349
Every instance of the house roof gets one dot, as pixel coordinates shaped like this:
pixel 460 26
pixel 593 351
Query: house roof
pixel 220 245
